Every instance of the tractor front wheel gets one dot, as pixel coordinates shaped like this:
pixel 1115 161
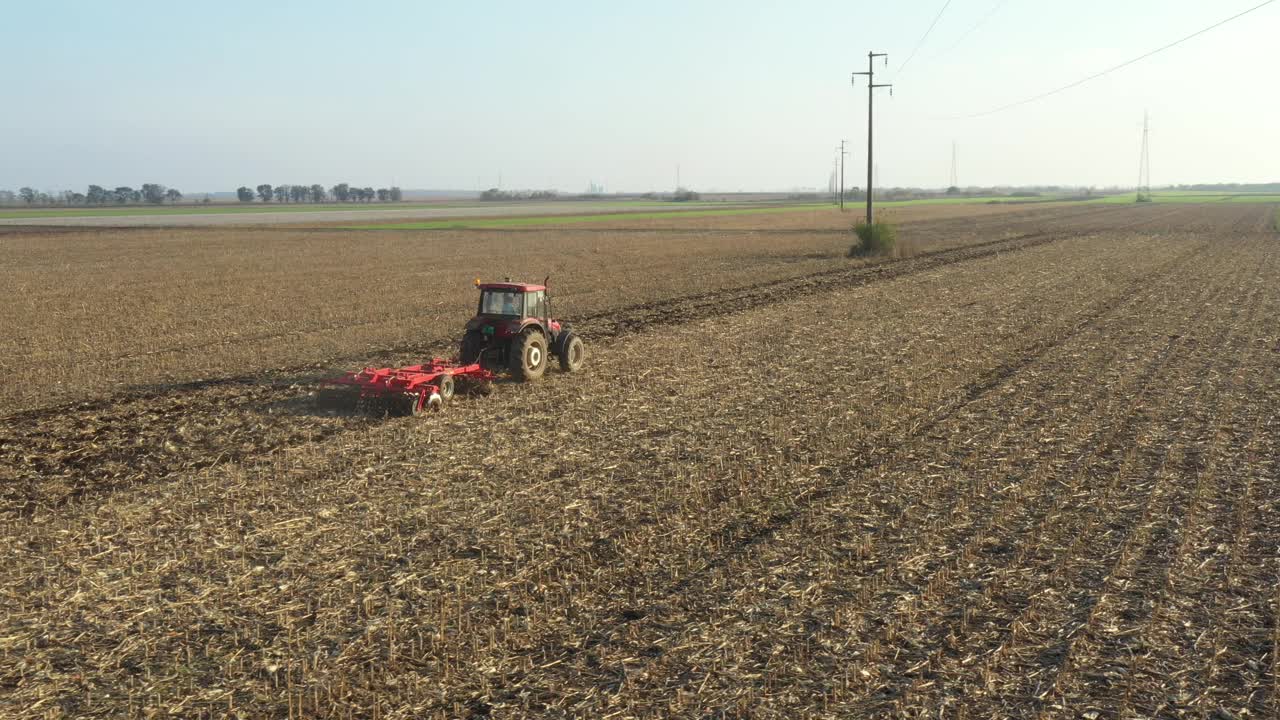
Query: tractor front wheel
pixel 527 359
pixel 572 352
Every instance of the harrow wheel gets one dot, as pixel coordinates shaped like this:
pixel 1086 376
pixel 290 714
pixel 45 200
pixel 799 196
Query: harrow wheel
pixel 410 406
pixel 446 385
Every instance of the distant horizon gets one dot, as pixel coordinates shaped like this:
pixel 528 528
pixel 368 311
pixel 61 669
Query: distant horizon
pixel 1226 186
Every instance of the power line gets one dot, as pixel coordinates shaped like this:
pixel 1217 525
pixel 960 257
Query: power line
pixel 972 29
pixel 923 37
pixel 1124 64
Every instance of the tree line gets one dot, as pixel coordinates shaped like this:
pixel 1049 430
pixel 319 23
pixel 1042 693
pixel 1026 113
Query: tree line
pixel 342 192
pixel 494 194
pixel 149 194
pixel 157 194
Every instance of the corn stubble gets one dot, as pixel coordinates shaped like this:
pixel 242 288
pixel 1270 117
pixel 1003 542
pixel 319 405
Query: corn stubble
pixel 1036 481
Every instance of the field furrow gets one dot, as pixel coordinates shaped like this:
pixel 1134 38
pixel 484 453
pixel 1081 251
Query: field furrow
pixel 989 622
pixel 1189 619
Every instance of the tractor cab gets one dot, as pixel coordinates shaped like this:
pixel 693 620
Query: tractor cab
pixel 513 329
pixel 508 300
pixel 508 309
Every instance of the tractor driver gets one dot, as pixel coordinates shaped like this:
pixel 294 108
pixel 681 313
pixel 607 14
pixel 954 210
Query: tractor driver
pixel 508 303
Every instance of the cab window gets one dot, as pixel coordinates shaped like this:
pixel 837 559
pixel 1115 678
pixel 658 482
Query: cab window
pixel 500 302
pixel 536 304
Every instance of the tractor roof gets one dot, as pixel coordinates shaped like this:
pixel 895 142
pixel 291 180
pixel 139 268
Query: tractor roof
pixel 518 287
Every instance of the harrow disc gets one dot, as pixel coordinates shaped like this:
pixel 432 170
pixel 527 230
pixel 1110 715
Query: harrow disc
pixel 472 386
pixel 337 399
pixel 408 405
pixel 381 406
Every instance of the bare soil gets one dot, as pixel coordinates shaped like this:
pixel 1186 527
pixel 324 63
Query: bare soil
pixel 1029 471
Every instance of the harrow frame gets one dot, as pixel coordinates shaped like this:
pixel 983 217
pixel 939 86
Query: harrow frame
pixel 407 390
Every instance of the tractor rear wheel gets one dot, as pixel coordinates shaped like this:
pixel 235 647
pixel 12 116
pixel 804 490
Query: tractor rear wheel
pixel 527 359
pixel 469 350
pixel 572 353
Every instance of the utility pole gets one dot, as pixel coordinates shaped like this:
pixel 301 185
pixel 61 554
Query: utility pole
pixel 871 89
pixel 955 182
pixel 1144 164
pixel 835 175
pixel 843 155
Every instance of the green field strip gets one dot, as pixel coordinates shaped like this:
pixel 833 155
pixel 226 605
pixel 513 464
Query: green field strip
pixel 1192 197
pixel 850 206
pixel 227 209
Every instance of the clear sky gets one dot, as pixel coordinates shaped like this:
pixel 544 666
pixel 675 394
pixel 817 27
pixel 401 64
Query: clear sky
pixel 741 95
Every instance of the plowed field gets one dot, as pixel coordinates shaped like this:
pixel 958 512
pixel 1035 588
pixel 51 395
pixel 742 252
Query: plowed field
pixel 1028 469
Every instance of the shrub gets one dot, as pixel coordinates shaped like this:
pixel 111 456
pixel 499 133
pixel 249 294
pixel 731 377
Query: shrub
pixel 874 239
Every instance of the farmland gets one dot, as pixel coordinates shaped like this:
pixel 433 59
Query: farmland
pixel 275 214
pixel 1028 468
pixel 1190 196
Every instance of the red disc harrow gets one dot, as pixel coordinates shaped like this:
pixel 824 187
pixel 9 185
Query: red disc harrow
pixel 401 391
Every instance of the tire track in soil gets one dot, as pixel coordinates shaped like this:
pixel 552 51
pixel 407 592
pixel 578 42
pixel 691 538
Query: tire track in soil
pixel 739 539
pixel 86 448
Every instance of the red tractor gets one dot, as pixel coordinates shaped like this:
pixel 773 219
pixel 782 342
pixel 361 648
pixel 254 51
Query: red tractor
pixel 513 330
